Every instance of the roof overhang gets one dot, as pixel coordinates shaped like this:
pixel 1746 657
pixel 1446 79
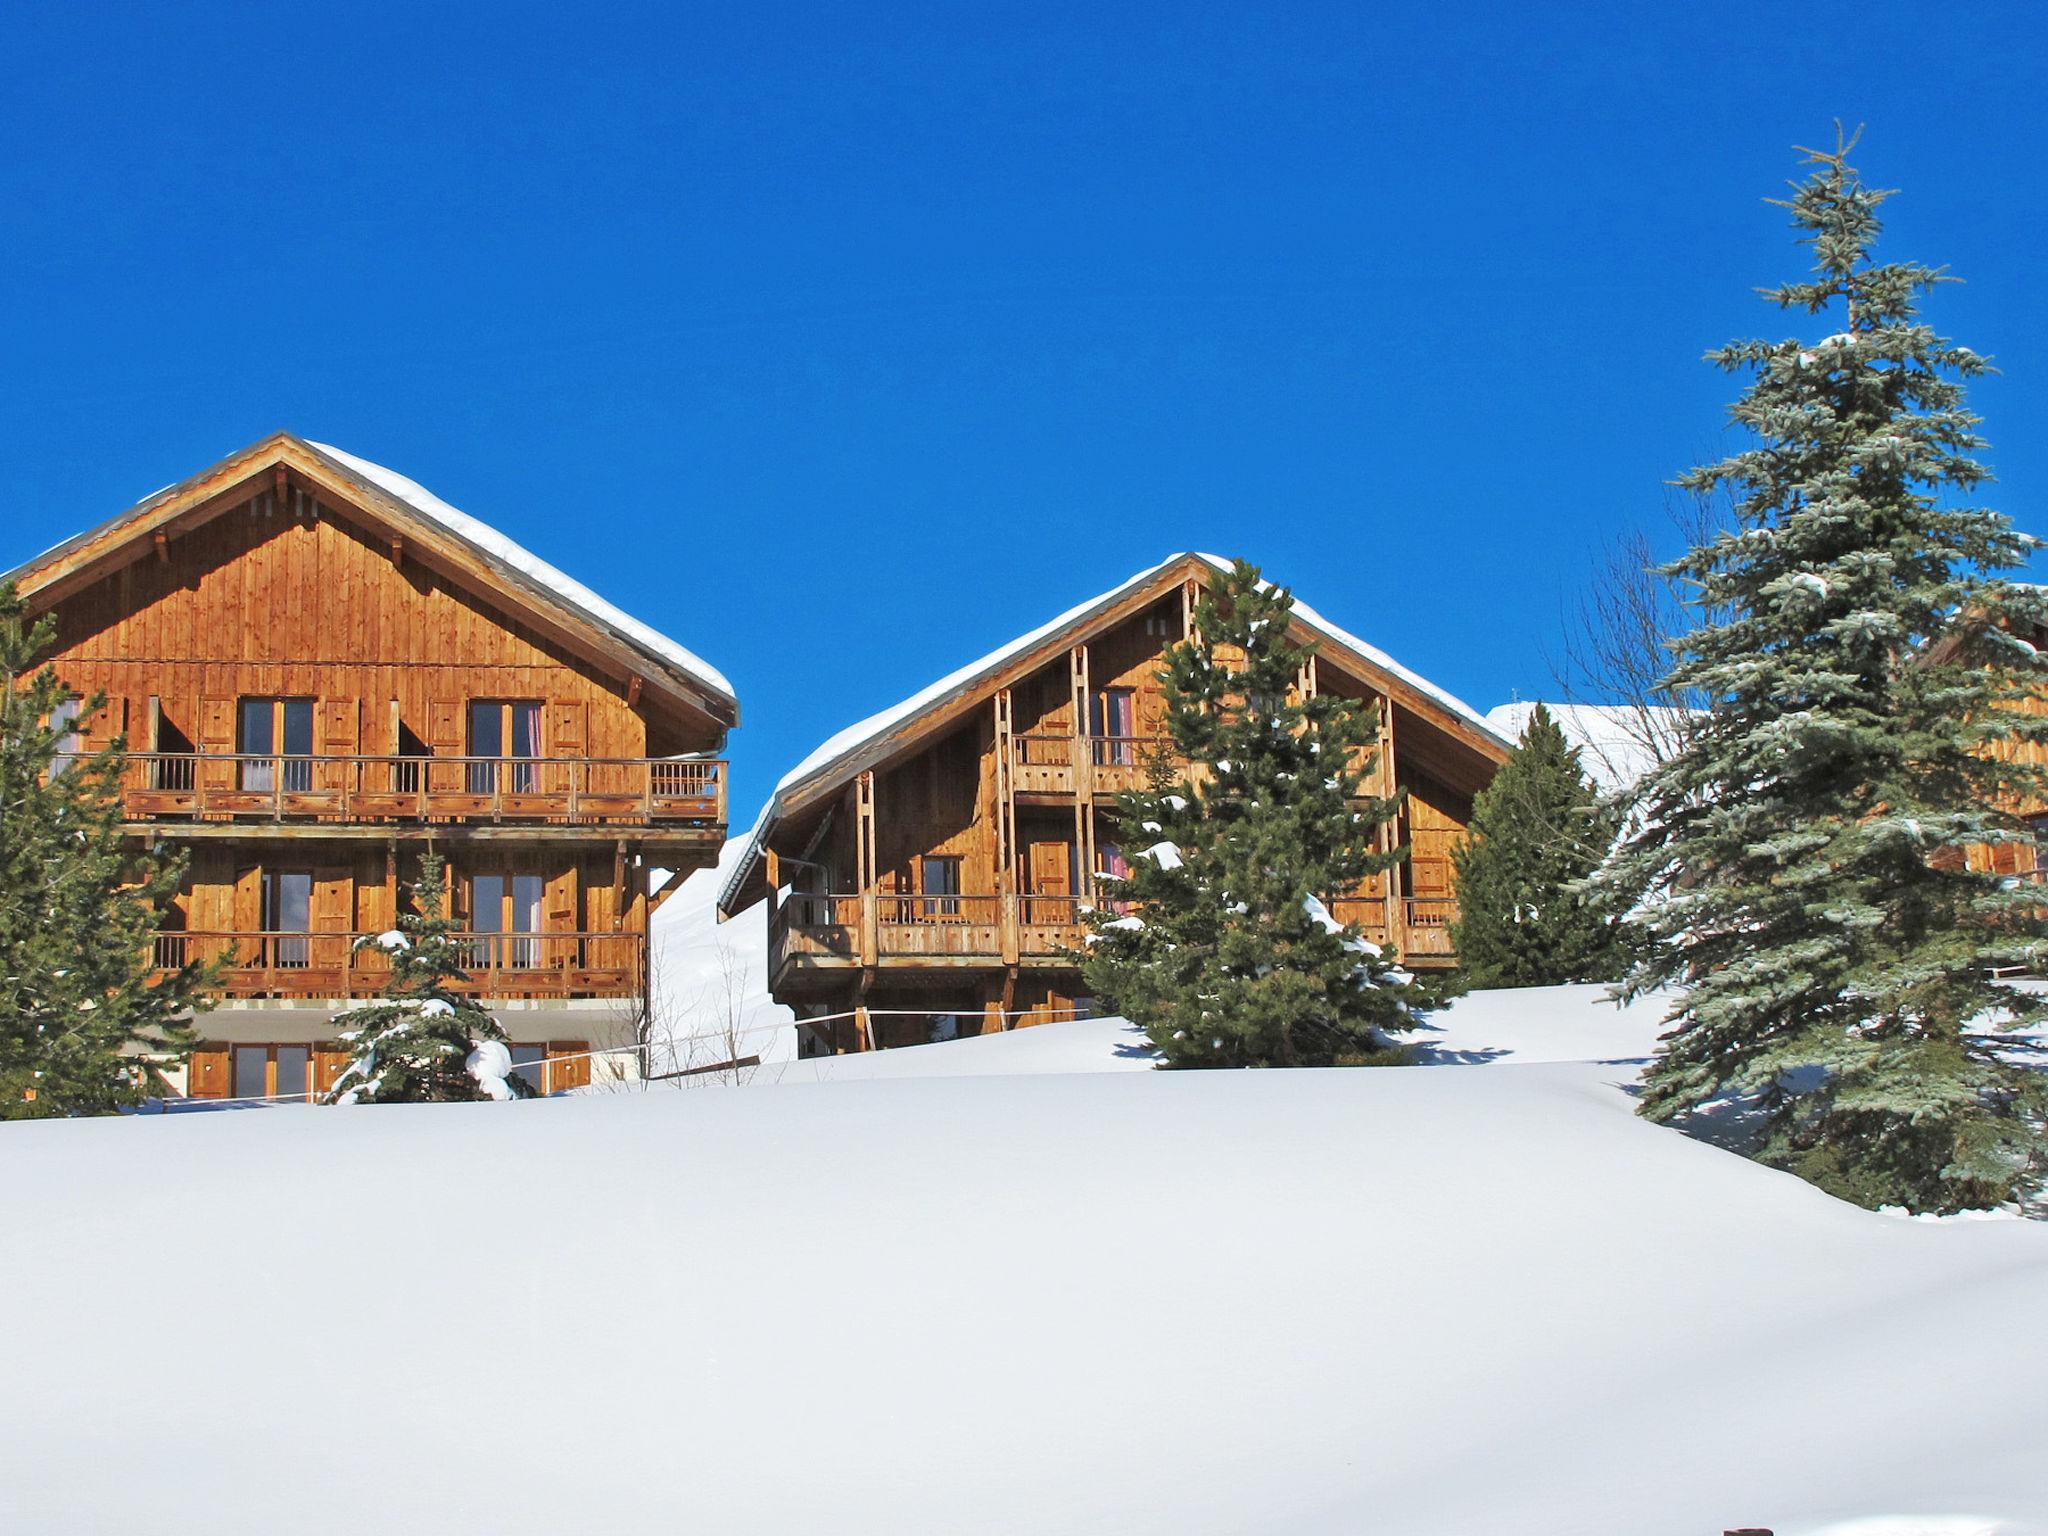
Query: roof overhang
pixel 282 459
pixel 938 708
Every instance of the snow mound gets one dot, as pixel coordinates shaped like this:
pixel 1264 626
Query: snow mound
pixel 1430 1302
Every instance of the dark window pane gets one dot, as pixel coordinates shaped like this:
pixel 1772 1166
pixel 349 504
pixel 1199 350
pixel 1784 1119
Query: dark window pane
pixel 298 744
pixel 258 736
pixel 251 1071
pixel 292 1064
pixel 526 1063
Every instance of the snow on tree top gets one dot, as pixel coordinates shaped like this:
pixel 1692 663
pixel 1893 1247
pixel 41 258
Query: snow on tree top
pixel 496 545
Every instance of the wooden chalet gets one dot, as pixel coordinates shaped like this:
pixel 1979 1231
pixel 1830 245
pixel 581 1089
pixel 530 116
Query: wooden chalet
pixel 924 872
pixel 321 670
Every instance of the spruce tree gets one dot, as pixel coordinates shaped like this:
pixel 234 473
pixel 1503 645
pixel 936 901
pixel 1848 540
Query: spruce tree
pixel 1525 915
pixel 424 1042
pixel 83 1012
pixel 1805 853
pixel 1220 943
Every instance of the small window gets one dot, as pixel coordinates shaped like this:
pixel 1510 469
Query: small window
pixel 275 738
pixel 64 721
pixel 504 738
pixel 505 914
pixel 940 878
pixel 287 917
pixel 528 1063
pixel 1112 723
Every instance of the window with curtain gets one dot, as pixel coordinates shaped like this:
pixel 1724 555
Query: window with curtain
pixel 275 737
pixel 1113 724
pixel 287 915
pixel 64 721
pixel 507 732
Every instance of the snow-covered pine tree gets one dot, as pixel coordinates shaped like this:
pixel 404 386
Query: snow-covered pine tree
pixel 424 1042
pixel 1538 831
pixel 81 1007
pixel 1220 943
pixel 1804 854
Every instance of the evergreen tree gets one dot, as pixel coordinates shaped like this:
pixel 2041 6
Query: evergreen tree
pixel 424 1041
pixel 1804 854
pixel 82 1010
pixel 1220 943
pixel 1538 832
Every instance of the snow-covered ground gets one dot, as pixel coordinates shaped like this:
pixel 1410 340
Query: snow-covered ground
pixel 1021 1285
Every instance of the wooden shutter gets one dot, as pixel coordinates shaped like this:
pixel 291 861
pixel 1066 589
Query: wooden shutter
pixel 567 1074
pixel 1050 863
pixel 333 896
pixel 329 1061
pixel 566 730
pixel 558 915
pixel 217 741
pixel 248 915
pixel 206 1073
pixel 337 732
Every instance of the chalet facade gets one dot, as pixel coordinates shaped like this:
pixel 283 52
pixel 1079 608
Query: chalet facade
pixel 924 872
pixel 321 671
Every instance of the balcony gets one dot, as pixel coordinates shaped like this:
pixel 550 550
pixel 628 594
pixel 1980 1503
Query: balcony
pixel 828 930
pixel 499 967
pixel 163 787
pixel 1051 764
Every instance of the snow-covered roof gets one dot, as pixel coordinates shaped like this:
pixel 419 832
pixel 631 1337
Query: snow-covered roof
pixel 1618 743
pixel 487 542
pixel 491 542
pixel 848 742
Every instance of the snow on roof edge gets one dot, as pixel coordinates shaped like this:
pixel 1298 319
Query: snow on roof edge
pixel 474 531
pixel 845 742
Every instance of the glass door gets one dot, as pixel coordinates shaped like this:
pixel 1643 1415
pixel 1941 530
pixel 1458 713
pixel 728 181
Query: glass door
pixel 287 916
pixel 508 734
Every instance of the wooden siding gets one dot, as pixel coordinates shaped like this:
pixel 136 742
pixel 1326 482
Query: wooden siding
pixel 272 600
pixel 1020 792
pixel 277 594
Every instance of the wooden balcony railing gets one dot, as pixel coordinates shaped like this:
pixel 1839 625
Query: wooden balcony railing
pixel 346 965
pixel 993 928
pixel 1045 763
pixel 561 790
pixel 832 929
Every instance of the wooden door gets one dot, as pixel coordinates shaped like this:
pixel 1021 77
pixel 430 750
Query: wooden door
pixel 339 733
pixel 329 1061
pixel 217 741
pixel 1051 873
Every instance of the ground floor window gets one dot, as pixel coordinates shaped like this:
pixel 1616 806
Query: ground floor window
pixel 270 1071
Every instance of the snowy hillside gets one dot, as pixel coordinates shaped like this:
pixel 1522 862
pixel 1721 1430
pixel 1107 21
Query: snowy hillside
pixel 710 989
pixel 1026 1296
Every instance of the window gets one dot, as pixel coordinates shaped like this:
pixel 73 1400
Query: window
pixel 1112 722
pixel 64 721
pixel 1111 861
pixel 507 733
pixel 527 1063
pixel 276 737
pixel 287 916
pixel 271 1072
pixel 939 877
pixel 505 914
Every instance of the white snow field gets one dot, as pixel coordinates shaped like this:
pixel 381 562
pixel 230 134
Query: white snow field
pixel 1042 1290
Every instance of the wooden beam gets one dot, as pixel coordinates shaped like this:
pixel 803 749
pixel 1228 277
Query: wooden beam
pixel 633 689
pixel 162 541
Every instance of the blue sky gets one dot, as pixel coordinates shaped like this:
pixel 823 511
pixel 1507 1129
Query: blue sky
pixel 845 343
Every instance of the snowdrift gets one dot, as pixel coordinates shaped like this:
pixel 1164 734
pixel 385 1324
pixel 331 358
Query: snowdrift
pixel 1448 1300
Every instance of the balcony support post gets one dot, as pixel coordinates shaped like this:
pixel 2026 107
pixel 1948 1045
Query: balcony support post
pixel 866 866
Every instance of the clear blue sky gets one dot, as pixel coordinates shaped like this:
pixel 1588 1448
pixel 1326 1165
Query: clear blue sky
pixel 845 343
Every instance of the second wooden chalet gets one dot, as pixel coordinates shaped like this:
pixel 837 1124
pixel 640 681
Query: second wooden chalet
pixel 925 870
pixel 321 671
